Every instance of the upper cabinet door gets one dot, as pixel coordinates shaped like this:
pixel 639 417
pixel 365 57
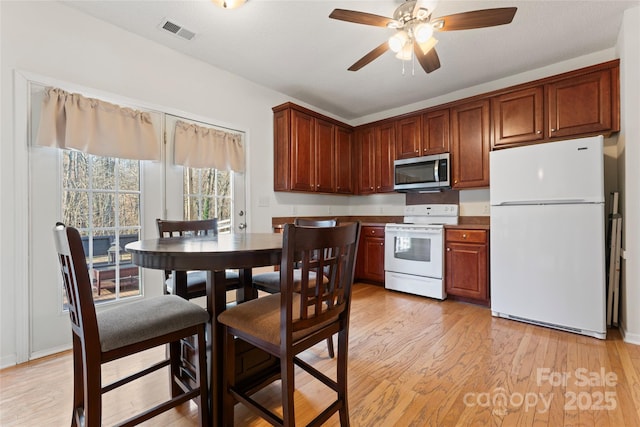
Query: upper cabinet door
pixel 518 117
pixel 435 132
pixel 408 137
pixel 470 144
pixel 580 105
pixel 302 151
pixel 281 151
pixel 325 157
pixel 385 155
pixel 344 160
pixel 365 160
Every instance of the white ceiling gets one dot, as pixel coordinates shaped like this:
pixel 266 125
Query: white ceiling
pixel 294 48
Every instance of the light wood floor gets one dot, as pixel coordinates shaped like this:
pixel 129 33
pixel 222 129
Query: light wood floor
pixel 413 362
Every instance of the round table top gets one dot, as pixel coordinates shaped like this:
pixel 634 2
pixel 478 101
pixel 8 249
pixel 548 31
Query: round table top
pixel 237 250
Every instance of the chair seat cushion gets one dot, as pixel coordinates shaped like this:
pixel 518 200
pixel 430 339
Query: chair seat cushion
pixel 270 281
pixel 145 319
pixel 261 318
pixel 197 282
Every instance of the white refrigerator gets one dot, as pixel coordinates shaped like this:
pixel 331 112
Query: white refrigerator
pixel 548 235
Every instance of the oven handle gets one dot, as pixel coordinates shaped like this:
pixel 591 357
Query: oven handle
pixel 415 231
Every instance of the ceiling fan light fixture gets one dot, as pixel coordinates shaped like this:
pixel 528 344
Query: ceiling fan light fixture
pixel 229 4
pixel 398 41
pixel 406 53
pixel 423 32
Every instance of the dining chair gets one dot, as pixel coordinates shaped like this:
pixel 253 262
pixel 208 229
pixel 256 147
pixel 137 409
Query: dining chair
pixel 196 280
pixel 286 323
pixel 269 282
pixel 104 336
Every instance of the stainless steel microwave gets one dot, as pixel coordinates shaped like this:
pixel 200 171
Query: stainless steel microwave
pixel 422 173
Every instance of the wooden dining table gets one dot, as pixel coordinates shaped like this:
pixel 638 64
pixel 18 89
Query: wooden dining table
pixel 242 251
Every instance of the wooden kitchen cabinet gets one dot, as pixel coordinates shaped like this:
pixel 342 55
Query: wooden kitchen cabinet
pixel 375 156
pixel 344 160
pixel 467 265
pixel 408 137
pixel 423 134
pixel 582 104
pixel 518 117
pixel 370 261
pixel 312 153
pixel 470 144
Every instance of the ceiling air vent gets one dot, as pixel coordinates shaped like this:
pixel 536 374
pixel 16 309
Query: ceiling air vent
pixel 176 29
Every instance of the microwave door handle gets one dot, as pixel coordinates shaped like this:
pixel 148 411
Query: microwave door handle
pixel 435 171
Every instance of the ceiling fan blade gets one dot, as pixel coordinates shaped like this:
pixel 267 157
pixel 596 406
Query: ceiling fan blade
pixel 360 17
pixel 475 19
pixel 429 61
pixel 370 56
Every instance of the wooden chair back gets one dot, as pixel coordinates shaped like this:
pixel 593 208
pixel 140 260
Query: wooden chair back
pixel 77 285
pixel 174 228
pixel 199 227
pixel 330 251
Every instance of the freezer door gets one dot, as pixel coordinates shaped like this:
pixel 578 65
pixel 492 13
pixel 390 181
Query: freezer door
pixel 547 264
pixel 568 171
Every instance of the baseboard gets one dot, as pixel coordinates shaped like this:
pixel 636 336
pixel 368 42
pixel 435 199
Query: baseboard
pixel 629 337
pixel 8 361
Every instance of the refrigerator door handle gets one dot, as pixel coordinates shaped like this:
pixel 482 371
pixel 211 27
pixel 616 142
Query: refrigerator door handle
pixel 543 202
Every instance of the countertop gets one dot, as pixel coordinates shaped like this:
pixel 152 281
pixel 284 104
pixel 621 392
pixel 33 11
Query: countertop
pixel 464 222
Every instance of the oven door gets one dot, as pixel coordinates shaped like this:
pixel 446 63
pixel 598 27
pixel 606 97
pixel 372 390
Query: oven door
pixel 415 250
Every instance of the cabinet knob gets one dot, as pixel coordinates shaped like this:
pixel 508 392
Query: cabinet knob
pixel 371 188
pixel 538 132
pixel 424 149
pixel 417 151
pixel 553 130
pixel 317 185
pixel 464 236
pixel 378 187
pixel 448 249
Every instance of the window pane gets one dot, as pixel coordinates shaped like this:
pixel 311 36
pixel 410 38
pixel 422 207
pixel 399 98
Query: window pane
pixel 129 175
pixel 75 208
pixel 129 209
pixel 208 208
pixel 223 183
pixel 103 173
pixel 75 166
pixel 191 208
pixel 104 210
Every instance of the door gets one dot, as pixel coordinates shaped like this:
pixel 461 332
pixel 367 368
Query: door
pixel 159 182
pixel 547 264
pixel 470 144
pixel 416 251
pixel 202 193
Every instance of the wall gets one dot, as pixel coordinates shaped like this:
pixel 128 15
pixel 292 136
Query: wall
pixel 629 173
pixel 50 39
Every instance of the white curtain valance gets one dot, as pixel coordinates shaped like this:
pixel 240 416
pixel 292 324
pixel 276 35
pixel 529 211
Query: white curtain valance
pixel 202 147
pixel 69 120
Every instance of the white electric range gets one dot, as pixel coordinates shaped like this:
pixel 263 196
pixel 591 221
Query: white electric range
pixel 414 250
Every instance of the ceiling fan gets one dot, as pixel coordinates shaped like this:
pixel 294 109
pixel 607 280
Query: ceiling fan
pixel 415 27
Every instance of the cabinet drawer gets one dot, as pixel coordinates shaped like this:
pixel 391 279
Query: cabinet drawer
pixel 372 231
pixel 472 236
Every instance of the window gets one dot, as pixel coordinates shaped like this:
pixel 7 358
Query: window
pixel 208 194
pixel 101 197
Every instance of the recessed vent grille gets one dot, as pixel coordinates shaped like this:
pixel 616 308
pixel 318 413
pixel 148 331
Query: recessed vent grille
pixel 177 30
